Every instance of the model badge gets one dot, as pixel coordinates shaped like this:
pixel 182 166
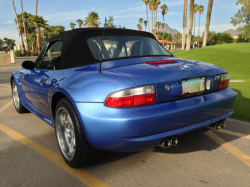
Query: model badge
pixel 167 87
pixel 185 67
pixel 217 78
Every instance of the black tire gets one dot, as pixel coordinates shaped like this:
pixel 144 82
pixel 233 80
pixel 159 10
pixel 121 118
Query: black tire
pixel 84 153
pixel 19 107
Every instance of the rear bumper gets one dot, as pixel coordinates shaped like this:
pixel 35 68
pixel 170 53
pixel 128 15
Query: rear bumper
pixel 140 128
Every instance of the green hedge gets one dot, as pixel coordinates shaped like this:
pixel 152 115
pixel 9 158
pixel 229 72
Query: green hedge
pixel 34 54
pixel 17 53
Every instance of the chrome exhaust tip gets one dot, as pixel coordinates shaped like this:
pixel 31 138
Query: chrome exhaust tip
pixel 174 141
pixel 165 144
pixel 222 124
pixel 217 126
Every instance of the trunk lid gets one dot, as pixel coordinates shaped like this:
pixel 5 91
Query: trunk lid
pixel 166 74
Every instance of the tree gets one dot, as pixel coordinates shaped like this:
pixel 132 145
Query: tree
pixel 225 38
pixel 209 12
pixel 240 39
pixel 195 10
pixel 9 43
pixel 140 21
pixel 32 40
pixel 158 24
pixel 145 23
pixel 18 26
pixel 36 6
pixel 80 22
pixel 164 9
pixel 39 22
pixel 139 27
pixel 72 25
pixel 200 10
pixel 183 26
pixel 146 3
pixel 25 33
pixel 92 20
pixel 242 18
pixel 158 2
pixel 109 23
pixel 190 24
pixel 151 8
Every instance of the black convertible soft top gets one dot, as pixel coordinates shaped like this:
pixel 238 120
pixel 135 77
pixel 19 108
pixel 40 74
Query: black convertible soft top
pixel 75 50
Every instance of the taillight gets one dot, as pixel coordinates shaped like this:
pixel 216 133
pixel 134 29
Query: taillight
pixel 160 62
pixel 143 95
pixel 224 81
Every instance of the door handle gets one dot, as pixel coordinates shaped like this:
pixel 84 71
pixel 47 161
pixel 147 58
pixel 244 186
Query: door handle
pixel 43 81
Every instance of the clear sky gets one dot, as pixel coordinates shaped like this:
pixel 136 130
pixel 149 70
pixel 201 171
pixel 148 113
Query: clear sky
pixel 125 13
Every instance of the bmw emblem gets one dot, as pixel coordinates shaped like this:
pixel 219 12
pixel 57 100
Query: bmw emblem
pixel 167 87
pixel 184 67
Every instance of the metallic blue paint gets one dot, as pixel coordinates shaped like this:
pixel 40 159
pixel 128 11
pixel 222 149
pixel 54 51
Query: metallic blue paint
pixel 135 128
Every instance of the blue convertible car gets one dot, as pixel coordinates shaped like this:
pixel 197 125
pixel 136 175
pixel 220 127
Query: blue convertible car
pixel 121 91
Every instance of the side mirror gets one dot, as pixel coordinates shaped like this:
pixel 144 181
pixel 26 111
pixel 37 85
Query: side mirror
pixel 28 65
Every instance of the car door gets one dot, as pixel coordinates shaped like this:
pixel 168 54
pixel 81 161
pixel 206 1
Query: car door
pixel 35 83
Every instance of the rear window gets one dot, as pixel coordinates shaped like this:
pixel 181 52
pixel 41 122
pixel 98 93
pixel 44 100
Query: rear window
pixel 125 46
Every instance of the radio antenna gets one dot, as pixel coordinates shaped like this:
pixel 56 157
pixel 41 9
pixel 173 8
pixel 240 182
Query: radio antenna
pixel 100 66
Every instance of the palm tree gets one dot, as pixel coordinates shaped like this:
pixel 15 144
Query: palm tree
pixel 200 10
pixel 92 20
pixel 157 5
pixel 140 20
pixel 139 27
pixel 36 6
pixel 145 23
pixel 146 3
pixel 151 7
pixel 72 25
pixel 164 9
pixel 190 24
pixel 158 24
pixel 18 26
pixel 80 22
pixel 32 40
pixel 183 26
pixel 209 12
pixel 39 22
pixel 25 33
pixel 195 10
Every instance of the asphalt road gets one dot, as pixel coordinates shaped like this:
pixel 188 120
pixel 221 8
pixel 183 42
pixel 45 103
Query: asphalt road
pixel 29 156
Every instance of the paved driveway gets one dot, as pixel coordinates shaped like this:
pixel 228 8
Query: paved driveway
pixel 29 156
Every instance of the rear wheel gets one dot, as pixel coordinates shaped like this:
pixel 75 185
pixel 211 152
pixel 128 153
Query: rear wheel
pixel 72 141
pixel 17 100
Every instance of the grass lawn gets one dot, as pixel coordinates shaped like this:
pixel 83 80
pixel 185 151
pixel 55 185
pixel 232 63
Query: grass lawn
pixel 235 58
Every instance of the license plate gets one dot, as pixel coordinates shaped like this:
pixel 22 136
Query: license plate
pixel 193 85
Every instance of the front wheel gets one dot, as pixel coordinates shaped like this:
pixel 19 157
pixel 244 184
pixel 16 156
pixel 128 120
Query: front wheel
pixel 72 141
pixel 17 100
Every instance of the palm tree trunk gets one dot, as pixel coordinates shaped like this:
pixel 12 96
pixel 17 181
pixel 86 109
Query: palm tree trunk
pixel 209 12
pixel 36 6
pixel 152 20
pixel 199 31
pixel 190 24
pixel 25 33
pixel 183 26
pixel 38 41
pixel 163 32
pixel 33 47
pixel 186 23
pixel 147 17
pixel 18 26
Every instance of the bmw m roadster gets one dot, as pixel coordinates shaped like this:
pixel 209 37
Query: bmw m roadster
pixel 119 91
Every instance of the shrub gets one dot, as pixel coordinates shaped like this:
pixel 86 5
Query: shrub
pixel 241 39
pixel 17 53
pixel 225 38
pixel 34 54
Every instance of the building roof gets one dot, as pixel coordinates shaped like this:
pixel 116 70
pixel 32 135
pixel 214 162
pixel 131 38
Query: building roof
pixel 165 42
